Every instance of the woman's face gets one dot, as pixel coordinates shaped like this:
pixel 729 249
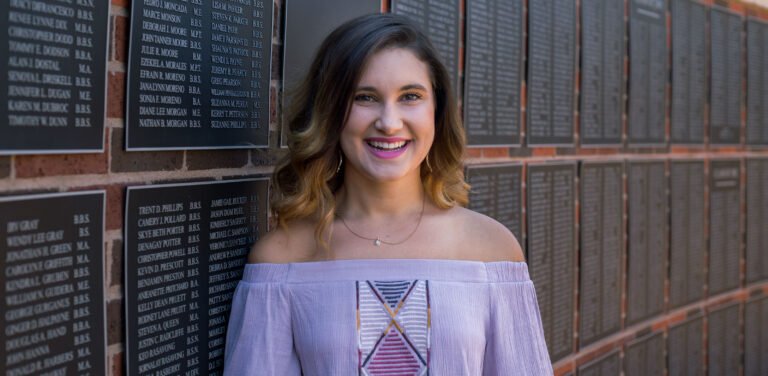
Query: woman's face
pixel 391 124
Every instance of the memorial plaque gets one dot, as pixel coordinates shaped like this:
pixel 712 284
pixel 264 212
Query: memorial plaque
pixel 645 356
pixel 647 71
pixel 757 82
pixel 687 232
pixel 199 74
pixel 53 276
pixel 494 72
pixel 648 240
pixel 602 247
pixel 185 247
pixel 440 21
pixel 497 192
pixel 756 336
pixel 685 345
pixel 602 72
pixel 689 71
pixel 757 220
pixel 551 246
pixel 307 24
pixel 53 64
pixel 724 225
pixel 726 75
pixel 551 71
pixel 608 365
pixel 724 354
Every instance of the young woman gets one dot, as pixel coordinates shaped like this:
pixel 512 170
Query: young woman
pixel 376 268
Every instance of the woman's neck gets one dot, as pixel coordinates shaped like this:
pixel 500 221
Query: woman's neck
pixel 362 198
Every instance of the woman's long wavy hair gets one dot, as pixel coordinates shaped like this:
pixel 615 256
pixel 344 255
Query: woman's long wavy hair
pixel 305 181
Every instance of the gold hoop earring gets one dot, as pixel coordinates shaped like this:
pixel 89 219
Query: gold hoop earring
pixel 341 161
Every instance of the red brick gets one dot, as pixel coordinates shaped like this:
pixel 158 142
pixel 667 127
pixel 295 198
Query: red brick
pixel 5 167
pixel 30 166
pixel 116 363
pixel 495 152
pixel 115 207
pixel 123 3
pixel 474 152
pixel 211 159
pixel 116 270
pixel 116 95
pixel 115 327
pixel 120 40
pixel 123 161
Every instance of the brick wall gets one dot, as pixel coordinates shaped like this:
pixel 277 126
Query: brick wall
pixel 115 169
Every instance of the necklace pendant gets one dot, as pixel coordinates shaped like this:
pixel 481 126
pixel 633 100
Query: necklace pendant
pixel 377 242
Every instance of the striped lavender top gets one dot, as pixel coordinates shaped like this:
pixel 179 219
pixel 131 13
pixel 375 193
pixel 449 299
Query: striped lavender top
pixel 386 317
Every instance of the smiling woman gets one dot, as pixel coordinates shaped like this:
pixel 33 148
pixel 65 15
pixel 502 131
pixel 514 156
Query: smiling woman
pixel 375 267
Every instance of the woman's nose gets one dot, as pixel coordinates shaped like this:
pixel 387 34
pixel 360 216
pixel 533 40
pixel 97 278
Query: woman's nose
pixel 390 120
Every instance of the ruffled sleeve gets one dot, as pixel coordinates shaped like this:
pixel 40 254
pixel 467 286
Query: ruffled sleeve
pixel 259 336
pixel 515 342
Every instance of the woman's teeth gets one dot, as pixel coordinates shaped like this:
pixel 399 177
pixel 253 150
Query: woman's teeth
pixel 387 145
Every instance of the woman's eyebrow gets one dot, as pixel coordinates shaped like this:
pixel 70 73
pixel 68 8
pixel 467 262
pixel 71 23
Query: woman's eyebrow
pixel 403 88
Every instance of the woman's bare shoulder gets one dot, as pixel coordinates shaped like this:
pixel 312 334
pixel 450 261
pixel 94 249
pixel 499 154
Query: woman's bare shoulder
pixel 485 239
pixel 294 242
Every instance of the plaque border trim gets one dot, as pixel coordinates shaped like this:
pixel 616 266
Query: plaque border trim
pixel 521 76
pixel 742 102
pixel 124 230
pixel 102 267
pixel 127 127
pixel 602 357
pixel 102 148
pixel 764 23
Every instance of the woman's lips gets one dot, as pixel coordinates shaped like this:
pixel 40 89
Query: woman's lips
pixel 387 149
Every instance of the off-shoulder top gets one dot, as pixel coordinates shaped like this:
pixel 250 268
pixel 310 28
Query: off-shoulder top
pixel 386 317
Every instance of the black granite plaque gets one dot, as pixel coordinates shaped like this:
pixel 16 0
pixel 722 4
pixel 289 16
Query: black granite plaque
pixel 685 346
pixel 440 21
pixel 724 225
pixel 307 24
pixel 724 353
pixel 551 243
pixel 608 365
pixel 494 72
pixel 689 71
pixel 647 71
pixel 687 232
pixel 602 71
pixel 551 71
pixel 645 356
pixel 756 336
pixel 726 76
pixel 185 247
pixel 757 82
pixel 497 192
pixel 602 247
pixel 53 64
pixel 53 277
pixel 648 239
pixel 199 74
pixel 757 220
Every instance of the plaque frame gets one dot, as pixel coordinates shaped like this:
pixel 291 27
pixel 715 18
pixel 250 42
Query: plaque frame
pixel 102 267
pixel 574 100
pixel 131 49
pixel 624 81
pixel 742 102
pixel 283 141
pixel 127 307
pixel 523 222
pixel 747 142
pixel 103 126
pixel 521 75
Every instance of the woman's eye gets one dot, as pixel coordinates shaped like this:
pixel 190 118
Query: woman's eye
pixel 364 98
pixel 411 97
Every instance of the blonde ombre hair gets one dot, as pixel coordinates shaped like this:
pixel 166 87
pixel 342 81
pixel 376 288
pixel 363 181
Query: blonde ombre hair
pixel 305 181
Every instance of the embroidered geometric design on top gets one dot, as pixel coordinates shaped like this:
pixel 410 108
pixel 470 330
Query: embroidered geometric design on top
pixel 393 326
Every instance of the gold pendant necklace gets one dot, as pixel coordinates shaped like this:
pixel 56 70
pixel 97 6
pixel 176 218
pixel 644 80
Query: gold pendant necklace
pixel 377 240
